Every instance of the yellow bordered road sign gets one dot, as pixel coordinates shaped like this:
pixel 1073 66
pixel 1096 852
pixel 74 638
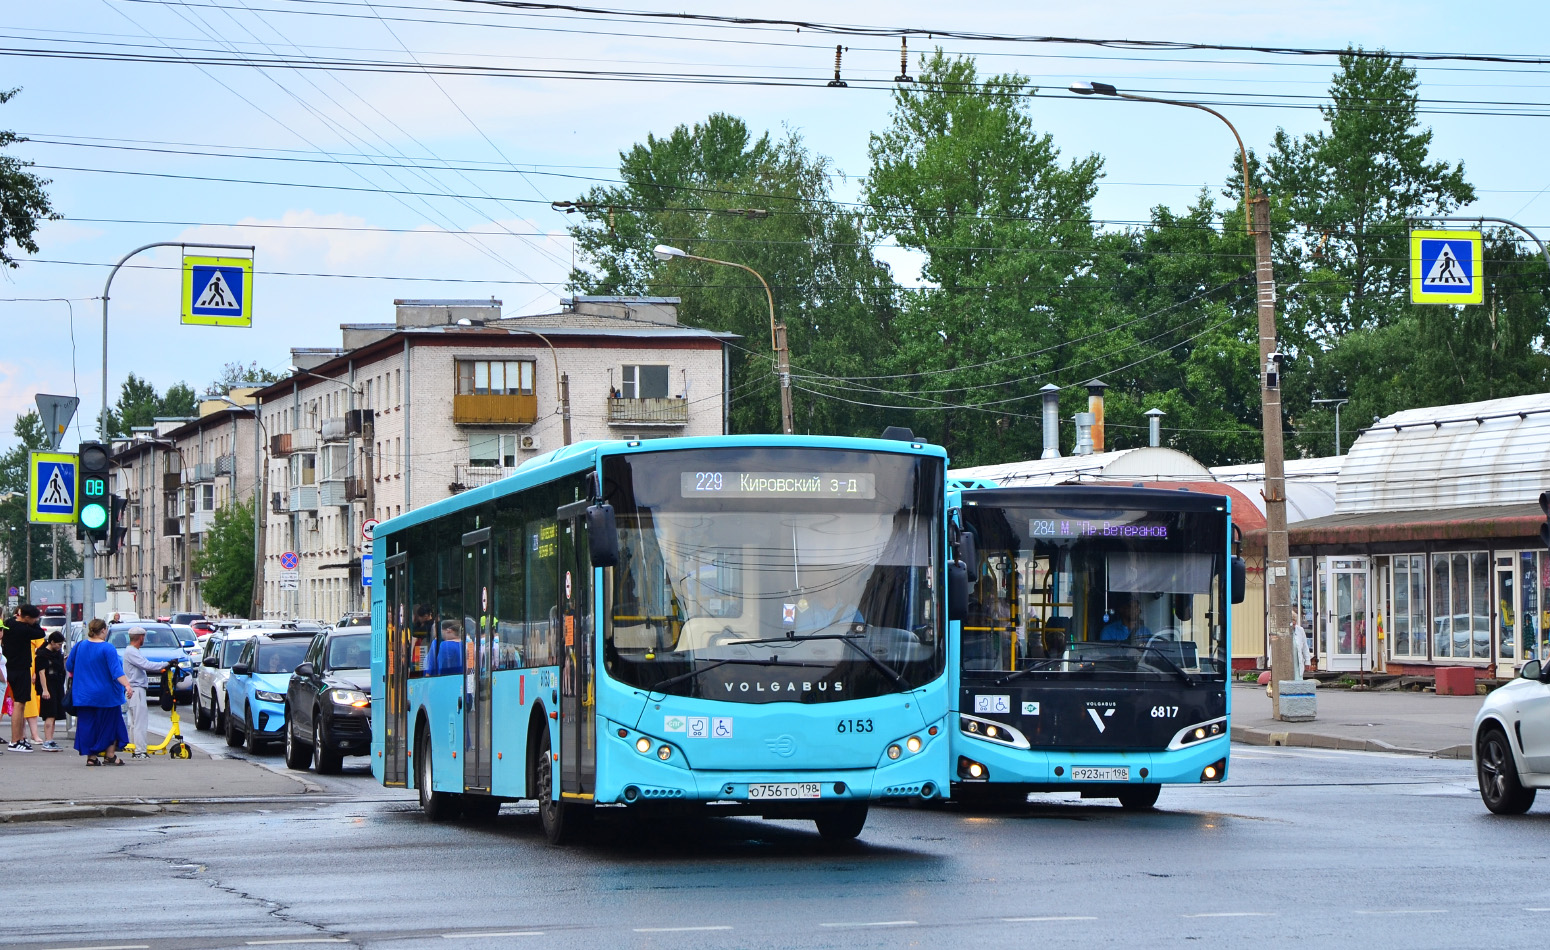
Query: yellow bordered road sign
pixel 218 291
pixel 53 487
pixel 1447 267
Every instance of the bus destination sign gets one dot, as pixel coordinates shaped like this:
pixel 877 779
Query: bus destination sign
pixel 712 484
pixel 1057 527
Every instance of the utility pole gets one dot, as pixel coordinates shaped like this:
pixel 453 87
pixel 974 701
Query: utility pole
pixel 1337 403
pixel 1278 600
pixel 565 407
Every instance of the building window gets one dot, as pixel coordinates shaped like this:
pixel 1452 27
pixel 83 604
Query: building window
pixel 492 449
pixel 303 471
pixel 495 377
pixel 643 382
pixel 1407 617
pixel 1461 616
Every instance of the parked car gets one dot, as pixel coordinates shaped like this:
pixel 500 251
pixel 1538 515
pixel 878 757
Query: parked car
pixel 1512 741
pixel 328 701
pixel 190 639
pixel 161 645
pixel 355 619
pixel 255 690
pixel 203 628
pixel 221 650
pixel 53 619
pixel 187 616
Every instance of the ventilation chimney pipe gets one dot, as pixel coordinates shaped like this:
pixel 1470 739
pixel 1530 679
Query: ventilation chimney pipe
pixel 1095 388
pixel 1084 433
pixel 1051 421
pixel 1154 427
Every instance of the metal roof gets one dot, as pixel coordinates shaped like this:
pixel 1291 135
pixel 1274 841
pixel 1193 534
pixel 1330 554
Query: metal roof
pixel 1310 485
pixel 1150 463
pixel 1436 524
pixel 1490 453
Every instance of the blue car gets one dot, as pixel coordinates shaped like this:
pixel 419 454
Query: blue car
pixel 161 645
pixel 255 691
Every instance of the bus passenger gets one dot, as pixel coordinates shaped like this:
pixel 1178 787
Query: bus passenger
pixel 449 651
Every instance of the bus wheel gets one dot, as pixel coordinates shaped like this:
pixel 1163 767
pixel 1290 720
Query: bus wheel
pixel 843 823
pixel 1139 797
pixel 563 821
pixel 437 806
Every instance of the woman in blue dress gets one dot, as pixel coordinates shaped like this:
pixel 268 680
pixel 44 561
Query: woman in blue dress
pixel 98 687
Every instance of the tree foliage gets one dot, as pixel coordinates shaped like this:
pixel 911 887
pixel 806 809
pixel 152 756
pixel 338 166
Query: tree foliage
pixel 23 202
pixel 237 374
pixel 226 560
pixel 140 405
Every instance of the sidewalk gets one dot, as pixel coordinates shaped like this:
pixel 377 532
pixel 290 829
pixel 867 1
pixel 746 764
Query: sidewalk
pixel 44 786
pixel 1363 720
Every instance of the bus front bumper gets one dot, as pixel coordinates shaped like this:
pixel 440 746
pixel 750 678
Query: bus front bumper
pixel 1062 769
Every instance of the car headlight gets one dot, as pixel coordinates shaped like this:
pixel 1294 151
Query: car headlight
pixel 349 697
pixel 269 697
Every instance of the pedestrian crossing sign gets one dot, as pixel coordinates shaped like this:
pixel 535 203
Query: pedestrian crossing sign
pixel 1447 267
pixel 218 291
pixel 52 488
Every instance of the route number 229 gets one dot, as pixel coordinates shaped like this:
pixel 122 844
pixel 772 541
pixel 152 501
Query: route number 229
pixel 1164 712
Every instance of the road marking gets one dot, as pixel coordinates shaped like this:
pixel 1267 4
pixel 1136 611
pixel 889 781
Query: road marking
pixel 1235 913
pixel 119 946
pixel 676 930
pixel 874 923
pixel 1538 910
pixel 499 933
pixel 1029 920
pixel 1414 911
pixel 273 943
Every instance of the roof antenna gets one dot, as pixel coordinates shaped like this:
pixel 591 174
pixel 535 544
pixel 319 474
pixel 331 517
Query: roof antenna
pixel 837 82
pixel 904 61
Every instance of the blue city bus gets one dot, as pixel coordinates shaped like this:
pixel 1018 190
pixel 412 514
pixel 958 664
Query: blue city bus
pixel 1093 653
pixel 747 625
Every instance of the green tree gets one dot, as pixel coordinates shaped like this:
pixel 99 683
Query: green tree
pixel 140 405
pixel 715 190
pixel 23 202
pixel 226 560
pixel 962 175
pixel 237 374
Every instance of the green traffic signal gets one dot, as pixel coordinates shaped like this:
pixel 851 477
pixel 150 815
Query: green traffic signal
pixel 94 515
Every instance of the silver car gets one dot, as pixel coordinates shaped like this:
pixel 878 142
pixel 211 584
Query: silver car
pixel 1512 741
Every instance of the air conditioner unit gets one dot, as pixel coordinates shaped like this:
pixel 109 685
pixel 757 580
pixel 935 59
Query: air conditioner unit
pixel 530 443
pixel 310 524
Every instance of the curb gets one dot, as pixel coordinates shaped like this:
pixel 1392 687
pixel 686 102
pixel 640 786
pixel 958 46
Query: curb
pixel 1313 740
pixel 66 812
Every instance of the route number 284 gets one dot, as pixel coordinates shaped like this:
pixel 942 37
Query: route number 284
pixel 854 725
pixel 1164 712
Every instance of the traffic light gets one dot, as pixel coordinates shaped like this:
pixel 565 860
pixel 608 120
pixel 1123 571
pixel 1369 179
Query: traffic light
pixel 1544 529
pixel 94 508
pixel 116 527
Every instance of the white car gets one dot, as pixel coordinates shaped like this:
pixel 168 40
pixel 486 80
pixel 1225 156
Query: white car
pixel 1512 742
pixel 220 652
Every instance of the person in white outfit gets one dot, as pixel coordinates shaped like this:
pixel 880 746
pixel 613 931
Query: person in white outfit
pixel 137 666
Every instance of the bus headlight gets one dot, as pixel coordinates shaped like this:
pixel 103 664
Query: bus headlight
pixel 972 771
pixel 665 752
pixel 994 731
pixel 1199 732
pixel 913 744
pixel 642 745
pixel 1215 772
pixel 894 751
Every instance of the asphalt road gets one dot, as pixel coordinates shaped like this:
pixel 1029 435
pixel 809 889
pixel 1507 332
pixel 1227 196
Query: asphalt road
pixel 1302 847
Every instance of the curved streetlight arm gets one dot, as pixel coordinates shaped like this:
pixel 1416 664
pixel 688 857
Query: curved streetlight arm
pixel 767 295
pixel 1511 224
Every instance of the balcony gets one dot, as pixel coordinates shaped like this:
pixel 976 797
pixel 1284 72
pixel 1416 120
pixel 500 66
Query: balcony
pixel 494 410
pixel 302 440
pixel 277 503
pixel 465 476
pixel 171 481
pixel 226 464
pixel 334 430
pixel 355 488
pixel 648 412
pixel 303 498
pixel 171 527
pixel 203 472
pixel 333 492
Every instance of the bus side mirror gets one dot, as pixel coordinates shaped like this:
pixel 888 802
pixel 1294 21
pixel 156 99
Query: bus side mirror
pixel 957 590
pixel 602 535
pixel 966 550
pixel 1240 578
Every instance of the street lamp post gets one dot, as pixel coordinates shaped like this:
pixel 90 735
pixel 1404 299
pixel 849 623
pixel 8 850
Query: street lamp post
pixel 261 464
pixel 1337 403
pixel 1256 209
pixel 777 329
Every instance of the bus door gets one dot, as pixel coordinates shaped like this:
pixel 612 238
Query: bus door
pixel 400 643
pixel 477 671
pixel 578 722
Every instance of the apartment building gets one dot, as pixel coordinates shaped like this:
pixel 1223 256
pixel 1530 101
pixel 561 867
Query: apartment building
pixel 452 395
pixel 175 475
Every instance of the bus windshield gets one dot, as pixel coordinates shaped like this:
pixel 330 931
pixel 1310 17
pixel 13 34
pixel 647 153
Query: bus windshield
pixel 1098 593
pixel 768 575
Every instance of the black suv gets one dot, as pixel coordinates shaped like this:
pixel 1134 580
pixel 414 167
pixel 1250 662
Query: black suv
pixel 328 704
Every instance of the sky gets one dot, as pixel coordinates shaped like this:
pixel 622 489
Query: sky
pixel 357 187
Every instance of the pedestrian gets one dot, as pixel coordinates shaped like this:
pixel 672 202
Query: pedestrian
pixel 16 643
pixel 51 687
pixel 136 665
pixel 94 668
